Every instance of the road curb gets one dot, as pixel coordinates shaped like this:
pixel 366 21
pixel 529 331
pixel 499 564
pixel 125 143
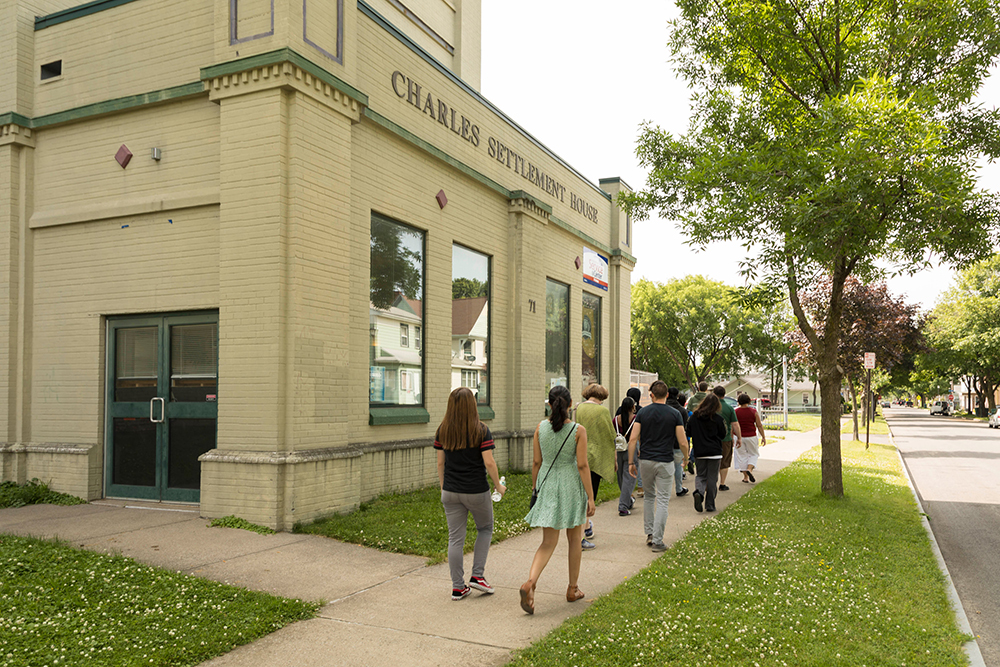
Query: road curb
pixel 971 647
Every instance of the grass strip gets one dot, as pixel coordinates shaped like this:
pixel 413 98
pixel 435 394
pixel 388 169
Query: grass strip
pixel 414 522
pixel 785 576
pixel 63 606
pixel 33 493
pixel 233 521
pixel 878 426
pixel 803 422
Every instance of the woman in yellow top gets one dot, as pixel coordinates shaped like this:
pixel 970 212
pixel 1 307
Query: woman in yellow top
pixel 595 418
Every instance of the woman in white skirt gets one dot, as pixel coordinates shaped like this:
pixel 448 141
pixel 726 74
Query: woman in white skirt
pixel 746 453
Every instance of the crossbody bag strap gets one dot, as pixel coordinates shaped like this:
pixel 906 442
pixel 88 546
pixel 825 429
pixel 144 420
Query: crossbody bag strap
pixel 554 459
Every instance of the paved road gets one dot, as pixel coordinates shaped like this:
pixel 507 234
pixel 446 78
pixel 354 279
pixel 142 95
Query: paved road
pixel 955 466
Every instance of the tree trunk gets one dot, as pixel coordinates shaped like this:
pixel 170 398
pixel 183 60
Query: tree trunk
pixel 832 466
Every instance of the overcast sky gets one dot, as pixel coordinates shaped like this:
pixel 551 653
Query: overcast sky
pixel 582 75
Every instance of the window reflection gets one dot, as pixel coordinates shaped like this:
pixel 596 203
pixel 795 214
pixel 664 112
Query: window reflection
pixel 470 321
pixel 556 334
pixel 396 303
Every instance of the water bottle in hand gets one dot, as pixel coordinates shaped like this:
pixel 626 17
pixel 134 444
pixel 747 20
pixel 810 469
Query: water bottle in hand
pixel 496 493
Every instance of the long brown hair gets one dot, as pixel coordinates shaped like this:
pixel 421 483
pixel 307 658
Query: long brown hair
pixel 461 427
pixel 708 407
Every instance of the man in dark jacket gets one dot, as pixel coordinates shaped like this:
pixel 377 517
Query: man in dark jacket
pixel 732 436
pixel 679 459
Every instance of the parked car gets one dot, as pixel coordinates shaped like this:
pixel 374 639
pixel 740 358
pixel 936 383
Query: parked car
pixel 995 419
pixel 886 404
pixel 941 408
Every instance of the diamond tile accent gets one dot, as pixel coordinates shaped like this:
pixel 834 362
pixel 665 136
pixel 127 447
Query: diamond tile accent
pixel 441 198
pixel 123 156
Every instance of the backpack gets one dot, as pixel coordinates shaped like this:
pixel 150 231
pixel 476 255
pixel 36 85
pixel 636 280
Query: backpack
pixel 621 442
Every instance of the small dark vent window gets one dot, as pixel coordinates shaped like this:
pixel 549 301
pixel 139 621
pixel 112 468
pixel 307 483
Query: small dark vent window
pixel 52 70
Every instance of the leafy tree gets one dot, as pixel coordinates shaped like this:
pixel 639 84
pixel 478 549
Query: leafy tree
pixel 872 321
pixel 467 288
pixel 965 327
pixel 397 268
pixel 693 328
pixel 827 136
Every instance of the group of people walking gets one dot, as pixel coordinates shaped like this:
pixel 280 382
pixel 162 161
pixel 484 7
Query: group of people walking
pixel 650 447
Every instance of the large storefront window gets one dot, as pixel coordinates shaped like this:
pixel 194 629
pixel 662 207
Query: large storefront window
pixel 591 339
pixel 396 308
pixel 556 334
pixel 470 321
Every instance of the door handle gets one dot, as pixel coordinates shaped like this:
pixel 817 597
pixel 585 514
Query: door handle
pixel 163 409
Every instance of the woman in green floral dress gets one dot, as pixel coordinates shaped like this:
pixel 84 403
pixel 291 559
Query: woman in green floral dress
pixel 561 474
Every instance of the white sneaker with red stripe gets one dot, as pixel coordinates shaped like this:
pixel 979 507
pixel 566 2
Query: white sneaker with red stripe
pixel 480 584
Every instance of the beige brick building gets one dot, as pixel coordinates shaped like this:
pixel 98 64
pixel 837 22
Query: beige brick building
pixel 248 247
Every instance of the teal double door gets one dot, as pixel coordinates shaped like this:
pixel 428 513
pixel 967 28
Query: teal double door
pixel 162 398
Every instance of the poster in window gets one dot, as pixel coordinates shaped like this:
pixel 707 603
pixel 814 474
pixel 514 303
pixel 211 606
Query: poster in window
pixel 595 269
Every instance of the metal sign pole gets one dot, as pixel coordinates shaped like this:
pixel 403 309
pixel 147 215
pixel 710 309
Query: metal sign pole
pixel 868 408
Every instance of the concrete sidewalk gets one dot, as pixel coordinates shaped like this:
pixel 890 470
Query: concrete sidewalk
pixel 379 603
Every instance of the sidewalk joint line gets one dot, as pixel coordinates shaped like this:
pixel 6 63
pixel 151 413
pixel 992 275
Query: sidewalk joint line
pixel 417 632
pixel 376 585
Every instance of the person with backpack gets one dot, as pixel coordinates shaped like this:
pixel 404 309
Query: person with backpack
pixel 623 427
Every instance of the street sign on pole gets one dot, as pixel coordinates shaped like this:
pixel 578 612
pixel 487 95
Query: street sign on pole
pixel 869 360
pixel 951 397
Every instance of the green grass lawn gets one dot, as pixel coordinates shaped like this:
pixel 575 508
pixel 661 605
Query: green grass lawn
pixel 783 577
pixel 803 422
pixel 63 606
pixel 878 427
pixel 414 522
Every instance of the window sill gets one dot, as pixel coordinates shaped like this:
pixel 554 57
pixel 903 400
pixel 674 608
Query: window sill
pixel 397 415
pixel 485 412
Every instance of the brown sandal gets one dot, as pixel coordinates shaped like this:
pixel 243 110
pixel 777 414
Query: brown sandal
pixel 573 593
pixel 528 597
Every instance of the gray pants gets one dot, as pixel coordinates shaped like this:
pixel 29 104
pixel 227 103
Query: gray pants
pixel 626 482
pixel 659 476
pixel 707 480
pixel 456 508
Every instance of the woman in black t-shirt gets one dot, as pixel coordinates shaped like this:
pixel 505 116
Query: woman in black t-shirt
pixel 464 457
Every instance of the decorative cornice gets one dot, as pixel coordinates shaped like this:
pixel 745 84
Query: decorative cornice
pixel 283 68
pixel 621 258
pixel 15 133
pixel 522 202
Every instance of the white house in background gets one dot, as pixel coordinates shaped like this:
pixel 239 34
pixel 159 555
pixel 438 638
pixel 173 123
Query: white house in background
pixel 396 334
pixel 469 330
pixel 757 385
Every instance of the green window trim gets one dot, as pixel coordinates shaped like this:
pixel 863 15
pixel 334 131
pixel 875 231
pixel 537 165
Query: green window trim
pixel 486 412
pixel 400 415
pixel 55 18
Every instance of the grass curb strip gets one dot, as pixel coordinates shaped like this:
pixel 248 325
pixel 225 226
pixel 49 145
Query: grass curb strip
pixel 785 576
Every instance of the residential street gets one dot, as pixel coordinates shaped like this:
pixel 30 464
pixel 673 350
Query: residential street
pixel 955 466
